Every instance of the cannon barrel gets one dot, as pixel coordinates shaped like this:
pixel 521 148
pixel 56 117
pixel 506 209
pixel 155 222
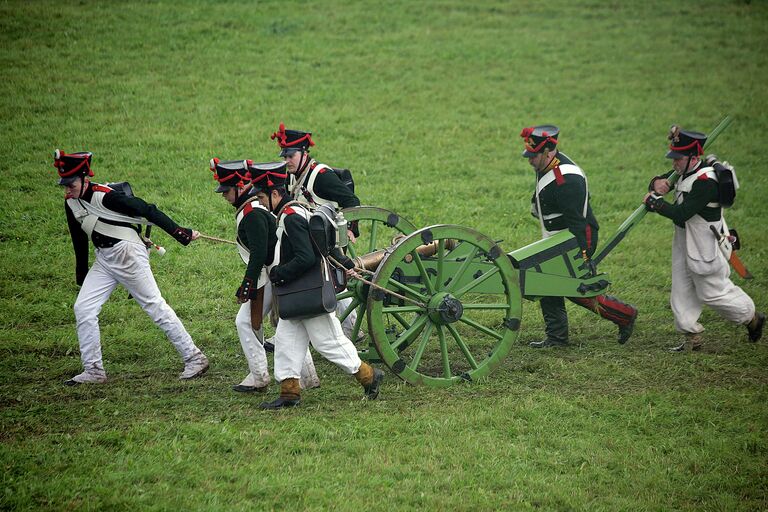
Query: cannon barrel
pixel 372 260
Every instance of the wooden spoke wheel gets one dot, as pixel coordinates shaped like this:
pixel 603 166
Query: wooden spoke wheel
pixel 379 228
pixel 460 307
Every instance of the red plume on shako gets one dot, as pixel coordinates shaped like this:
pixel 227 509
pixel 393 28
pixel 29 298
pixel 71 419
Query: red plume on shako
pixel 291 141
pixel 539 138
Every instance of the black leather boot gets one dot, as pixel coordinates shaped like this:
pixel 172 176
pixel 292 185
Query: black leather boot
pixel 372 390
pixel 693 342
pixel 549 343
pixel 249 389
pixel 290 396
pixel 625 331
pixel 755 327
pixel 279 403
pixel 370 378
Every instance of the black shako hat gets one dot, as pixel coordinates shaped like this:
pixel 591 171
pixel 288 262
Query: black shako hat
pixel 292 140
pixel 539 138
pixel 229 174
pixel 684 143
pixel 268 176
pixel 72 166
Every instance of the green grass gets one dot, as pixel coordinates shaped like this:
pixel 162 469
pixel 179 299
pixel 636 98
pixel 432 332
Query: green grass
pixel 424 102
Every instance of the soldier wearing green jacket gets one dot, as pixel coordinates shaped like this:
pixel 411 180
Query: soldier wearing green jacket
pixel 295 255
pixel 700 272
pixel 314 184
pixel 561 201
pixel 256 241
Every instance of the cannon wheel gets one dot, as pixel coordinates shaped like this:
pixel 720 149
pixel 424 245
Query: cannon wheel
pixel 468 312
pixel 377 227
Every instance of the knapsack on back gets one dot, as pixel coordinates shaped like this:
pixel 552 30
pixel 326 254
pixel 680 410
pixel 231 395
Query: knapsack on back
pixel 345 175
pixel 123 187
pixel 727 184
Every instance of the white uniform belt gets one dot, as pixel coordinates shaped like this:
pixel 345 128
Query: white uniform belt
pixel 119 232
pixel 547 179
pixel 245 254
pixel 298 195
pixel 107 214
pixel 687 184
pixel 90 223
pixel 299 209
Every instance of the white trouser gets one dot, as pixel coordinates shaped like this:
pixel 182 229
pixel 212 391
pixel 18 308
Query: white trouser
pixel 324 331
pixel 126 263
pixel 349 323
pixel 691 290
pixel 254 351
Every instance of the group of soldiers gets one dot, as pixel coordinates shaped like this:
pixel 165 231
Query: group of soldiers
pixel 273 203
pixel 700 270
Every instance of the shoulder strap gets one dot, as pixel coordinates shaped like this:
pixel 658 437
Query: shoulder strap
pixel 312 177
pixel 101 188
pixel 96 207
pixel 247 207
pixel 300 182
pixel 551 176
pixel 291 204
pixel 685 185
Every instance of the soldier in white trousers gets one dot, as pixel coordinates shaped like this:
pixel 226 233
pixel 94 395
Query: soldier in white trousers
pixel 256 240
pixel 700 271
pixel 316 184
pixel 294 256
pixel 110 217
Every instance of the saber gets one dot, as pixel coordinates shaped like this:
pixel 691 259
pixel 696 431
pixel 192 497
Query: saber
pixel 638 214
pixel 220 240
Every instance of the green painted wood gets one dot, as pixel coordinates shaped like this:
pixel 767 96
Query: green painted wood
pixel 378 226
pixel 434 345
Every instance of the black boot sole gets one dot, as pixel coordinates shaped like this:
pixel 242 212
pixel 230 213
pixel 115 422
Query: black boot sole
pixel 278 404
pixel 372 392
pixel 249 389
pixel 757 333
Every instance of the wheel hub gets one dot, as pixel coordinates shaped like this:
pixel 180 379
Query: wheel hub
pixel 359 288
pixel 445 309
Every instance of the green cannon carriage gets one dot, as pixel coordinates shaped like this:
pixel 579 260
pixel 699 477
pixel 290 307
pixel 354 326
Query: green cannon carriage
pixel 445 304
pixel 446 300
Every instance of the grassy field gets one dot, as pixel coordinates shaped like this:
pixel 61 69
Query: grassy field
pixel 424 102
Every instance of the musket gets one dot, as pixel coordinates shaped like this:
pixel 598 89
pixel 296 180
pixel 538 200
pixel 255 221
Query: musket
pixel 638 214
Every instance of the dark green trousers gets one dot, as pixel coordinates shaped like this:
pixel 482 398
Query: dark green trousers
pixel 555 318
